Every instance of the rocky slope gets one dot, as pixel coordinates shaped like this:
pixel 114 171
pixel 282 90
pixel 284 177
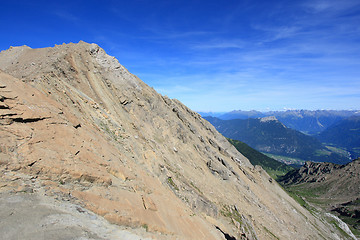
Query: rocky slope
pixel 331 186
pixel 77 127
pixel 339 180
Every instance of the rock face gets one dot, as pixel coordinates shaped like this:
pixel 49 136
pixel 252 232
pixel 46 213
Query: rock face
pixel 348 176
pixel 311 172
pixel 77 126
pixel 336 187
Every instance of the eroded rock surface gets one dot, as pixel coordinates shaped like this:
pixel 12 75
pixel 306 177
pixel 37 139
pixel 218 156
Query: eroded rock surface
pixel 85 130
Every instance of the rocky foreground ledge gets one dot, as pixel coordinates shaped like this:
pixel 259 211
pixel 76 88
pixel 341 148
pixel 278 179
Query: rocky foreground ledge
pixel 28 211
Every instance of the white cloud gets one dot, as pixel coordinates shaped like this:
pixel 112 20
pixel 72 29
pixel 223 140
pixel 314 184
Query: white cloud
pixel 277 33
pixel 219 44
pixel 319 6
pixel 66 16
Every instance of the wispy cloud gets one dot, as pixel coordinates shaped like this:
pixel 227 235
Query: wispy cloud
pixel 308 58
pixel 237 54
pixel 218 44
pixel 166 35
pixel 277 33
pixel 66 16
pixel 318 6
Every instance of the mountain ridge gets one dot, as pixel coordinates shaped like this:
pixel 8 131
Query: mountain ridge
pixel 331 186
pixel 79 127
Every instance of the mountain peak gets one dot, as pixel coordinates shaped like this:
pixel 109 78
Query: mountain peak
pixel 78 127
pixel 268 119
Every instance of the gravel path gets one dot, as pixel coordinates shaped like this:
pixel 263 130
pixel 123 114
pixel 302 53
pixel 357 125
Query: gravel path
pixel 33 216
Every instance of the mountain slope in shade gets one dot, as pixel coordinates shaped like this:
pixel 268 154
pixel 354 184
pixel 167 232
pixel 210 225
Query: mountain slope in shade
pixel 78 127
pixel 268 135
pixel 345 133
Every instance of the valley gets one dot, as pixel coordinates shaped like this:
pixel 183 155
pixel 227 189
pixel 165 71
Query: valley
pixel 306 121
pixel 270 136
pixel 323 188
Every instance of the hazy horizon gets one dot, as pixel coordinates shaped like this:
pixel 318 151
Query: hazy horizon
pixel 281 110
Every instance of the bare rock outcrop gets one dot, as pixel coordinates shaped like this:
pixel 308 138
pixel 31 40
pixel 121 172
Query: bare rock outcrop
pixel 87 131
pixel 335 186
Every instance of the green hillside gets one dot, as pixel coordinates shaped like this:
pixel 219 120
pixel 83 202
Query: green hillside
pixel 274 168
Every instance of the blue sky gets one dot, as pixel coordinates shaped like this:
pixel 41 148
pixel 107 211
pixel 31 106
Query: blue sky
pixel 212 55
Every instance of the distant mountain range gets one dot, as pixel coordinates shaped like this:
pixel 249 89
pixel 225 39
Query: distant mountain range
pixel 212 114
pixel 306 121
pixel 269 135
